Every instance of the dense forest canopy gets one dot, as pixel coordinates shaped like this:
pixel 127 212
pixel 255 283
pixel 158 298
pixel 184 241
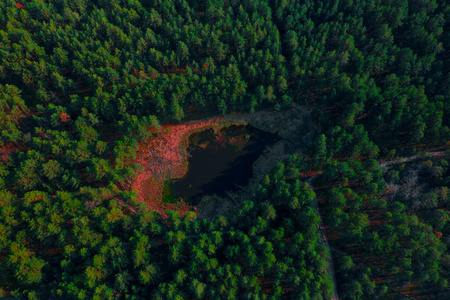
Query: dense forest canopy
pixel 83 82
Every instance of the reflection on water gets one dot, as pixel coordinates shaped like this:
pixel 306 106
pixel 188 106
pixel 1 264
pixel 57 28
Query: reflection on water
pixel 219 162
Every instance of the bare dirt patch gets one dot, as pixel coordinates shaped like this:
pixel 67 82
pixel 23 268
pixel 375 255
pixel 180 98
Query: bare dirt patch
pixel 212 205
pixel 294 124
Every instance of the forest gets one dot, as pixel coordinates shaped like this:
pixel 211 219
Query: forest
pixel 363 212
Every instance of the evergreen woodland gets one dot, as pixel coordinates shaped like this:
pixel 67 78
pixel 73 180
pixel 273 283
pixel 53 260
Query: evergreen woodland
pixel 83 81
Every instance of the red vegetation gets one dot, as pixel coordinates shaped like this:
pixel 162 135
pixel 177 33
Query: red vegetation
pixel 6 151
pixel 42 135
pixel 164 157
pixel 311 173
pixel 64 117
pixel 20 6
pixel 3 293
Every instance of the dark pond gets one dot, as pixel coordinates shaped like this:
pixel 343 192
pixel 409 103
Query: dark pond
pixel 219 162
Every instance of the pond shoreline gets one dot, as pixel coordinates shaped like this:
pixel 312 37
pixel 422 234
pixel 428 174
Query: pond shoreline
pixel 295 130
pixel 220 161
pixel 164 157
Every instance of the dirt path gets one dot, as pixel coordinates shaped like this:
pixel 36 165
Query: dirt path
pixel 385 164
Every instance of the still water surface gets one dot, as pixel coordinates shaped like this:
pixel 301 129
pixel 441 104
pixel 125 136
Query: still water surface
pixel 219 162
